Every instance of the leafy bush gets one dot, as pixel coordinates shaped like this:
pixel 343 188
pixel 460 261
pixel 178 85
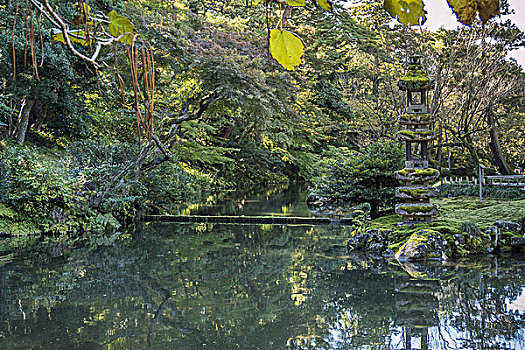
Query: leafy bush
pixel 349 177
pixel 43 190
pixel 171 184
pixel 448 190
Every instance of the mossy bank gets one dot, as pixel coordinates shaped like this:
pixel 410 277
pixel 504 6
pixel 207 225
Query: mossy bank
pixel 464 227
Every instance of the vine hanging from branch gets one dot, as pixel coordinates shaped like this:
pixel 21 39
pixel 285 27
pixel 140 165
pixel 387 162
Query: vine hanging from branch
pixel 91 31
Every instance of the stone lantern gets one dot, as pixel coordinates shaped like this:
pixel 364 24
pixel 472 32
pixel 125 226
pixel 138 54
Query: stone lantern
pixel 416 131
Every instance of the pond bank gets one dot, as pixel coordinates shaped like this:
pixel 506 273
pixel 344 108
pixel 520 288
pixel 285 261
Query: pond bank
pixel 463 227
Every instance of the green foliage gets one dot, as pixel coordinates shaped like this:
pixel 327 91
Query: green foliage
pixel 350 177
pixel 448 190
pixel 470 228
pixel 171 184
pixel 43 191
pixel 331 98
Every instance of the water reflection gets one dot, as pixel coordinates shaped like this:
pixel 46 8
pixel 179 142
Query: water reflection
pixel 273 200
pixel 254 287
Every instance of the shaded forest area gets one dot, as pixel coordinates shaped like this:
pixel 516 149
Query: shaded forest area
pixel 197 103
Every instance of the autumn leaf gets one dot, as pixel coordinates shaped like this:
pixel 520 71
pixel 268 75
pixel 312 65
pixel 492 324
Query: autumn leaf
pixel 296 2
pixel 325 4
pixel 75 36
pixel 408 12
pixel 119 25
pixel 466 10
pixel 286 48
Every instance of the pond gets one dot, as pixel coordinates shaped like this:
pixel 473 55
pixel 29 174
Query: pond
pixel 215 286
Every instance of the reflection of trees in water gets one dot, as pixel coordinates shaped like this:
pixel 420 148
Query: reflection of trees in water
pixel 468 311
pixel 477 309
pixel 181 286
pixel 272 199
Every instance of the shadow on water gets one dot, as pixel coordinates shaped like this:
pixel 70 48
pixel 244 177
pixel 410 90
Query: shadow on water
pixel 198 286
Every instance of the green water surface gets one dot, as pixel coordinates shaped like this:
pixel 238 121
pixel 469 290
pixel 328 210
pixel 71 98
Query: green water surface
pixel 214 286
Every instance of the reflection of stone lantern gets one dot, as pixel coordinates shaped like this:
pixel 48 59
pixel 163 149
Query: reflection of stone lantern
pixel 416 131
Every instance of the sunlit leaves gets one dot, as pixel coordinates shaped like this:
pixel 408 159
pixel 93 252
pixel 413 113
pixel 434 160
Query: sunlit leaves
pixel 286 48
pixel 325 4
pixel 119 25
pixel 296 2
pixel 466 10
pixel 75 36
pixel 411 12
pixel 408 12
pixel 84 8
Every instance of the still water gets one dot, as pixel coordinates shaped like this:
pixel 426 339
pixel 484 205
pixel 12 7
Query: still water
pixel 213 286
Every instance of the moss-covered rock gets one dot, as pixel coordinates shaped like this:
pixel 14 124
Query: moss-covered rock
pixel 423 245
pixel 415 118
pixel 417 209
pixel 416 135
pixel 416 192
pixel 417 174
pixel 369 241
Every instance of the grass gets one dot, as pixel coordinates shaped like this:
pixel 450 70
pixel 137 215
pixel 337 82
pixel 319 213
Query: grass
pixel 454 213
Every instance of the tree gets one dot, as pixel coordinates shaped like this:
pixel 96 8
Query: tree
pixel 470 100
pixel 349 177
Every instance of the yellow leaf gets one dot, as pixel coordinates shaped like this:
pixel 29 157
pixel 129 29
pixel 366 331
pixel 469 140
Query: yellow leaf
pixel 296 2
pixel 119 25
pixel 325 4
pixel 75 36
pixel 408 12
pixel 286 48
pixel 257 2
pixel 466 10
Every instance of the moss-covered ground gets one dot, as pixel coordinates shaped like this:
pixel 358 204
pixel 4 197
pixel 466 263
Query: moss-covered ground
pixel 455 212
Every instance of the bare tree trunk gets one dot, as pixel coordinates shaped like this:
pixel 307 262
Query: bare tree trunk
pixel 23 122
pixel 495 146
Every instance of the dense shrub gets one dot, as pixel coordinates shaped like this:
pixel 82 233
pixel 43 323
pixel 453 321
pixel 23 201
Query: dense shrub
pixel 349 177
pixel 171 184
pixel 448 190
pixel 45 190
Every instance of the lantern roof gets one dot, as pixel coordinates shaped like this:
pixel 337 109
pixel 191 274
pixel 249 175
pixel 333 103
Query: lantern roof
pixel 415 78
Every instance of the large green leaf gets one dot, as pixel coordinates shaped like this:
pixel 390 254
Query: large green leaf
pixel 119 25
pixel 408 12
pixel 466 10
pixel 286 48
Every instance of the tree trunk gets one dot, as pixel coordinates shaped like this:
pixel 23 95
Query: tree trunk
pixel 495 147
pixel 23 122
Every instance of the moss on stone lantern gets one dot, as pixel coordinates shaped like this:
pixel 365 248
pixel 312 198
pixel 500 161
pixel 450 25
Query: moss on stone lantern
pixel 416 132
